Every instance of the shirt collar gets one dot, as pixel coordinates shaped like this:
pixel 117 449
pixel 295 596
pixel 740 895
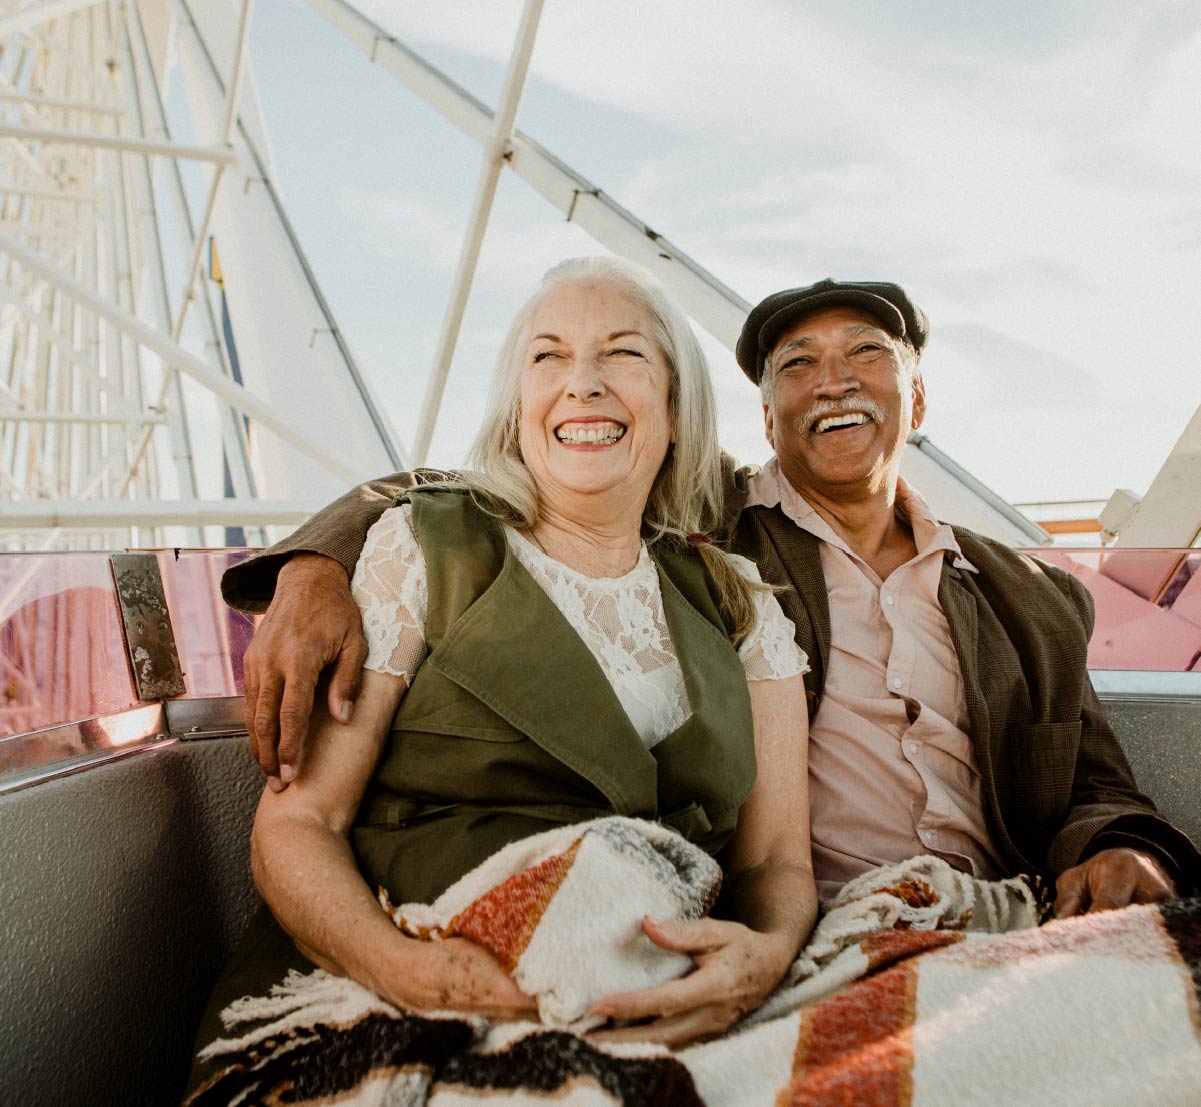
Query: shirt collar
pixel 770 488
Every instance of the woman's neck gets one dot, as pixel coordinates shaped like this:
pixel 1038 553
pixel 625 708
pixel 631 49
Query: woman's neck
pixel 595 547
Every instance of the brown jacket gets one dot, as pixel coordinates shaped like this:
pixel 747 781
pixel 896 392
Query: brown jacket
pixel 1057 786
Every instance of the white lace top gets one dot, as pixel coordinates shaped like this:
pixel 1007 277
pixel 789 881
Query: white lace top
pixel 620 619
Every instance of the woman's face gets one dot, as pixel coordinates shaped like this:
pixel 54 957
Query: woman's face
pixel 595 389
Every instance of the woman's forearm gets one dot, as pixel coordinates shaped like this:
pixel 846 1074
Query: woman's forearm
pixel 777 897
pixel 307 876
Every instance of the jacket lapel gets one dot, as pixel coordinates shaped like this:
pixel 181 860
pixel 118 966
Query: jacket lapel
pixel 959 605
pixel 514 651
pixel 799 552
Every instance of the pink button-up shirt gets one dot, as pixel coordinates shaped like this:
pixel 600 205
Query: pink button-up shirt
pixel 892 771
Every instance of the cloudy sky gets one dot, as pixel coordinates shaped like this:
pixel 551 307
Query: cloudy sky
pixel 1030 170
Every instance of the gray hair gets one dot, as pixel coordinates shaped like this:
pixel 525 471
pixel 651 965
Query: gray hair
pixel 686 497
pixel 905 351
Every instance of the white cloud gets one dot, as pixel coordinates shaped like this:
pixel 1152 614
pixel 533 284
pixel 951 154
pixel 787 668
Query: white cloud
pixel 1034 184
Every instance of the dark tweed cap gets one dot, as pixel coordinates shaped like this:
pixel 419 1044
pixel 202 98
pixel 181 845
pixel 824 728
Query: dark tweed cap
pixel 898 314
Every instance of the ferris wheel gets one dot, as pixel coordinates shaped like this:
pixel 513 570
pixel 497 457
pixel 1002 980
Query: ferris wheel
pixel 170 371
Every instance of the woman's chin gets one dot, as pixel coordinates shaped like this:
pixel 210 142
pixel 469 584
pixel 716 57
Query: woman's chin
pixel 584 480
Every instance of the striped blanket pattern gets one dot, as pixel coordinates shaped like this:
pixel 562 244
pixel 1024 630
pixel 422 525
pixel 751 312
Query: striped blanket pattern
pixel 920 986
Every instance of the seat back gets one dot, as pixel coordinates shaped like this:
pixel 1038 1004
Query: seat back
pixel 125 889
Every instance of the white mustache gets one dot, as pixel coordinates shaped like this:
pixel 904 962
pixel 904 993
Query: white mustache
pixel 830 407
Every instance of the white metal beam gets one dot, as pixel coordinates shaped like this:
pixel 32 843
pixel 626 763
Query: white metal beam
pixel 497 147
pixel 42 192
pixel 1169 515
pixel 714 305
pixel 35 14
pixel 238 72
pixel 23 133
pixel 36 100
pixel 83 418
pixel 98 514
pixel 173 354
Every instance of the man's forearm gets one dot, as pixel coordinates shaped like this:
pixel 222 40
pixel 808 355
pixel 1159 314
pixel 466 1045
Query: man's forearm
pixel 337 532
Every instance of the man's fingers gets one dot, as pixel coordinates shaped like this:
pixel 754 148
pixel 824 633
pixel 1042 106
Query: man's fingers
pixel 347 678
pixel 266 711
pixel 1110 895
pixel 248 708
pixel 1071 894
pixel 295 711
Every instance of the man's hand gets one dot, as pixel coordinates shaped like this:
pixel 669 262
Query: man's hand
pixel 312 622
pixel 1112 878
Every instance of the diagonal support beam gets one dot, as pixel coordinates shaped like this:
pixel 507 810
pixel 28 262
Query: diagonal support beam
pixel 496 149
pixel 175 356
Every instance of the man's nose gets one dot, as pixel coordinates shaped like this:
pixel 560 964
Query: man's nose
pixel 835 377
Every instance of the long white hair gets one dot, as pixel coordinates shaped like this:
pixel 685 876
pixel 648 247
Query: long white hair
pixel 686 498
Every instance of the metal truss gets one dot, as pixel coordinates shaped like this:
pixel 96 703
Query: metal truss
pixel 109 328
pixel 96 327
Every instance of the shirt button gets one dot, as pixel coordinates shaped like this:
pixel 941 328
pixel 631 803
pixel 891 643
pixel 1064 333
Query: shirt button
pixel 927 835
pixel 888 599
pixel 897 682
pixel 913 747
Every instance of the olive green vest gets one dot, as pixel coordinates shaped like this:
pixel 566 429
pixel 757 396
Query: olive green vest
pixel 511 728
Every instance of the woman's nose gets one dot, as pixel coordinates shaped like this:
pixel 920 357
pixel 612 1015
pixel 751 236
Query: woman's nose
pixel 586 381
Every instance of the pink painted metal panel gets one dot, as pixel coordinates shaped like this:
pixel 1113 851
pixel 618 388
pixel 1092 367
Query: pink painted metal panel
pixel 211 638
pixel 62 656
pixel 1133 632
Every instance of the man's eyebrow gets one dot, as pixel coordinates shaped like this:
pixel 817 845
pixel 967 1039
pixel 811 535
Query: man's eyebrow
pixel 788 347
pixel 863 328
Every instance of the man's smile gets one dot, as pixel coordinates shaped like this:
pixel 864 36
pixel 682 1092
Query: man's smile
pixel 833 423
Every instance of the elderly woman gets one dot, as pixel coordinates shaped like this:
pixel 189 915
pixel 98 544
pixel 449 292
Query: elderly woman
pixel 551 640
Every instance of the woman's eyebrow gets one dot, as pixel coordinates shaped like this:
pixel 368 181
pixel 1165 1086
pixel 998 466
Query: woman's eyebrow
pixel 622 334
pixel 548 337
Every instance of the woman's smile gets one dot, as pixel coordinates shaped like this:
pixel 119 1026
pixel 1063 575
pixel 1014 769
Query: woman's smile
pixel 595 399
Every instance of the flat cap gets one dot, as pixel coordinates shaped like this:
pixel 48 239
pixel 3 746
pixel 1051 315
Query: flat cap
pixel 887 302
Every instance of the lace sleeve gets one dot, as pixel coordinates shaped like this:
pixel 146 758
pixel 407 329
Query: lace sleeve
pixel 390 588
pixel 770 651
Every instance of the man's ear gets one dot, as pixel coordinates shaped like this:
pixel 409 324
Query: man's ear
pixel 919 400
pixel 769 426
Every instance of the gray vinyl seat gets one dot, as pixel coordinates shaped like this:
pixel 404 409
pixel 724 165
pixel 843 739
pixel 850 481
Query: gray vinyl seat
pixel 126 887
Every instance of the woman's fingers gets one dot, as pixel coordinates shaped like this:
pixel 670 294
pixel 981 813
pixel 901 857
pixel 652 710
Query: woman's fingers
pixel 677 1030
pixel 689 936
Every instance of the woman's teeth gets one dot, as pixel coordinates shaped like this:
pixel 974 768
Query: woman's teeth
pixel 593 434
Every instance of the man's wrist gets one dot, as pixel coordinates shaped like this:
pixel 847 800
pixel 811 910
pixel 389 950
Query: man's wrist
pixel 309 563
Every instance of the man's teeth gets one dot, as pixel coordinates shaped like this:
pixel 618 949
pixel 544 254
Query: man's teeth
pixel 850 419
pixel 604 434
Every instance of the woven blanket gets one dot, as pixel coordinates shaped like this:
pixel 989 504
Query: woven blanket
pixel 919 986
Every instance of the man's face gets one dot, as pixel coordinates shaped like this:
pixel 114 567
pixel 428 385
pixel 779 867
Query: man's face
pixel 843 403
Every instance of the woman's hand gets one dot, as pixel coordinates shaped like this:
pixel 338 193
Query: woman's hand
pixel 456 974
pixel 737 968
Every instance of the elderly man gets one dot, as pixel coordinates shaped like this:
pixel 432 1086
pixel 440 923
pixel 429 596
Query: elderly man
pixel 950 707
